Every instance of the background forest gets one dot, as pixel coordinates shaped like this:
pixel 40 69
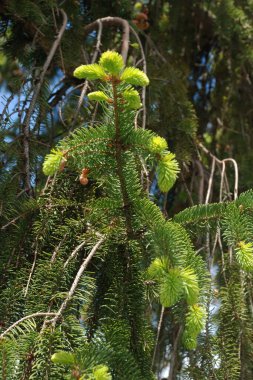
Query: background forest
pixel 127 275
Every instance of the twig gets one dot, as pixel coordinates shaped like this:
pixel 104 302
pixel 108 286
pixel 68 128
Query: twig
pixel 93 60
pixel 24 318
pixel 220 162
pixel 60 115
pixel 223 171
pixel 50 181
pixel 222 260
pixel 113 21
pixel 60 49
pixel 94 115
pixel 174 354
pixel 46 186
pixel 210 182
pixel 144 113
pixel 208 152
pixel 74 253
pixel 215 244
pixel 186 188
pixel 158 335
pixel 57 250
pixel 5 109
pixel 201 181
pixel 76 281
pixel 32 269
pixel 236 175
pixel 164 207
pixel 144 174
pixel 26 124
pixel 152 44
pixel 13 220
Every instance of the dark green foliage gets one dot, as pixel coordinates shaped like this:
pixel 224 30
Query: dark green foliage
pixel 114 307
pixel 199 62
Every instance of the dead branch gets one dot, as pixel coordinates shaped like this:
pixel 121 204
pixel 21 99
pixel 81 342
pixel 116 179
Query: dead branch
pixel 74 253
pixel 93 60
pixel 23 319
pixel 26 124
pixel 32 269
pixel 174 354
pixel 201 181
pixel 221 163
pixel 210 182
pixel 144 114
pixel 76 280
pixel 113 21
pixel 158 335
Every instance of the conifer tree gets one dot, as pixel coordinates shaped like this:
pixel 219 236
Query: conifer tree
pixel 68 307
pixel 124 222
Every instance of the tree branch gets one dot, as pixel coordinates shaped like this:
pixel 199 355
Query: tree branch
pixel 23 319
pixel 93 60
pixel 74 253
pixel 221 162
pixel 144 111
pixel 76 280
pixel 113 21
pixel 26 124
pixel 158 335
pixel 32 270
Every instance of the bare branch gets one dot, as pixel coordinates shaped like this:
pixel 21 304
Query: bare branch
pixel 26 124
pixel 13 221
pixel 113 21
pixel 144 115
pixel 93 60
pixel 158 335
pixel 201 181
pixel 223 170
pixel 25 318
pixel 174 354
pixel 236 175
pixel 210 182
pixel 185 185
pixel 74 253
pixel 93 120
pixel 76 280
pixel 57 31
pixel 5 109
pixel 56 250
pixel 220 162
pixel 32 269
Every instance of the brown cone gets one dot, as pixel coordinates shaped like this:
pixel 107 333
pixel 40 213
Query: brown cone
pixel 83 180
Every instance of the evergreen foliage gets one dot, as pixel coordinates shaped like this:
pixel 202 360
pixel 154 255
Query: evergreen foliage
pixel 106 154
pixel 91 247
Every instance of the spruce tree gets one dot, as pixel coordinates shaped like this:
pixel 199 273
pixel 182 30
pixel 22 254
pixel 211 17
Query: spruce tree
pixel 129 231
pixel 198 58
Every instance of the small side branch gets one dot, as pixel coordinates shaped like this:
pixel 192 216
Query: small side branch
pixel 144 115
pixel 23 319
pixel 210 183
pixel 221 163
pixel 32 269
pixel 56 250
pixel 13 221
pixel 76 280
pixel 85 86
pixel 74 253
pixel 158 336
pixel 174 354
pixel 113 21
pixel 26 124
pixel 236 175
